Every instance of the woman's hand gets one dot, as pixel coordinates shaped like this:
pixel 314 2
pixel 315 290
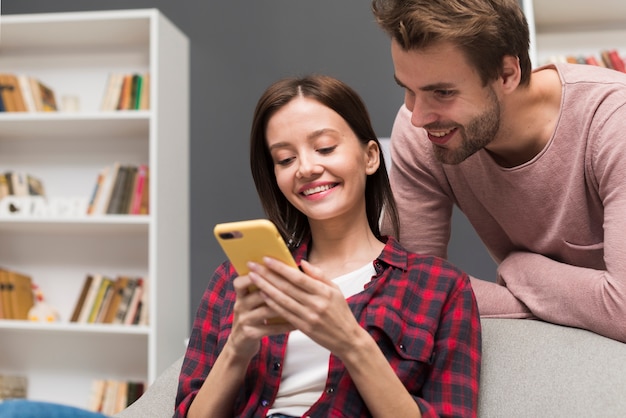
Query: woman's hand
pixel 250 319
pixel 308 301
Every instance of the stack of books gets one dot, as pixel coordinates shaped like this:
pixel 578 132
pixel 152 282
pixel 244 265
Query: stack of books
pixel 609 58
pixel 17 183
pixel 112 301
pixel 21 93
pixel 121 189
pixel 13 387
pixel 126 92
pixel 112 396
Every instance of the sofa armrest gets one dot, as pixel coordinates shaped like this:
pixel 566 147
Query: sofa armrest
pixel 532 368
pixel 159 398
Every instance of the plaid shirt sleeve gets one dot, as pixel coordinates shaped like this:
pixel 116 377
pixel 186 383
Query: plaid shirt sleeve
pixel 451 388
pixel 205 343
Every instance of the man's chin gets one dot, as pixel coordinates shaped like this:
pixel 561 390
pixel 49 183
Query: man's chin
pixel 447 156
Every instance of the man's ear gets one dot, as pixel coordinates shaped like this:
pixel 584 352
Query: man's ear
pixel 373 157
pixel 511 73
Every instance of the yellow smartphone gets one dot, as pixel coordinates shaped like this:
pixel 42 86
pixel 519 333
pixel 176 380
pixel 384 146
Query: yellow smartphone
pixel 252 240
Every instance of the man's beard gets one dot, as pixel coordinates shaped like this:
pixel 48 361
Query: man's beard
pixel 478 133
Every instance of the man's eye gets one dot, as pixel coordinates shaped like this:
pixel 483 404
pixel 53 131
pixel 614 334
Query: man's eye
pixel 444 93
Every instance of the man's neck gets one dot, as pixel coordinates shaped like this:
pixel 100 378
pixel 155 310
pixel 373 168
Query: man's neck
pixel 529 119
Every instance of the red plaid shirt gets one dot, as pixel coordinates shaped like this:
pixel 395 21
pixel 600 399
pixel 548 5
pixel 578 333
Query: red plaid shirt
pixel 420 310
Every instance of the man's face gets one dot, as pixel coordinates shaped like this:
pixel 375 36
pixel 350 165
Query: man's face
pixel 446 97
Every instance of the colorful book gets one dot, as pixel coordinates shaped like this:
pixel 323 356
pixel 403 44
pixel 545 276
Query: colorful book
pixel 90 298
pixel 118 293
pixel 81 298
pixel 127 295
pixel 105 283
pixel 135 302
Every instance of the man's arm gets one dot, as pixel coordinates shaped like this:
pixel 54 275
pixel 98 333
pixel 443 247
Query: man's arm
pixel 589 298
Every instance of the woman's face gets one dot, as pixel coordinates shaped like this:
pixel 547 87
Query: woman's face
pixel 320 165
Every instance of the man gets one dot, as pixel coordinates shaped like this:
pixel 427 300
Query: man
pixel 536 160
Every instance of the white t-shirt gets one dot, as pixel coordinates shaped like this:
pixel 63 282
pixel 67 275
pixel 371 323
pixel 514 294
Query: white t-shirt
pixel 305 367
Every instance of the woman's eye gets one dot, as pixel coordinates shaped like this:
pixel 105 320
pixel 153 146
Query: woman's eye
pixel 326 150
pixel 284 161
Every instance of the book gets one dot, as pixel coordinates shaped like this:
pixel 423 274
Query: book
pixel 133 305
pixel 81 298
pixel 106 301
pixel 125 93
pixel 48 99
pixel 1 297
pixel 105 283
pixel 606 60
pixel 138 189
pixel 110 392
pixel 127 193
pixel 96 395
pixel 115 201
pixel 13 387
pixel 127 295
pixel 144 95
pixel 118 291
pixel 18 184
pixel 97 190
pixel 5 93
pixel 27 94
pixel 11 93
pixel 616 61
pixel 43 96
pixel 121 397
pixel 85 311
pixel 22 298
pixel 107 187
pixel 134 392
pixel 112 92
pixel 144 205
pixel 35 186
pixel 7 311
pixel 135 95
pixel 4 186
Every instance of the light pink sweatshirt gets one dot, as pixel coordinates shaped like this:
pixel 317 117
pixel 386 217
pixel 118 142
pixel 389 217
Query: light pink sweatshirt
pixel 556 225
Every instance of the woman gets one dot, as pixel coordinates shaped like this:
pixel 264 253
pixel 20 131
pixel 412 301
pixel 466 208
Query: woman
pixel 371 330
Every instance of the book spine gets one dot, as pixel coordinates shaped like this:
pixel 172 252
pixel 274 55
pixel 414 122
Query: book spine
pixel 89 299
pixel 102 289
pixel 127 295
pixel 81 298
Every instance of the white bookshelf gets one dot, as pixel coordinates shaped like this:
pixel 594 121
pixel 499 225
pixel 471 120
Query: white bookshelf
pixel 74 53
pixel 575 27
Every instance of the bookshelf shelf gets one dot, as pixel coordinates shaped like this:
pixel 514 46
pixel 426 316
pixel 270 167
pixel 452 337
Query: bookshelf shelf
pixel 561 27
pixel 83 330
pixel 109 224
pixel 74 53
pixel 20 125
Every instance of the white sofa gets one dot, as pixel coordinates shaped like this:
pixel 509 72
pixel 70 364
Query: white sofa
pixel 530 369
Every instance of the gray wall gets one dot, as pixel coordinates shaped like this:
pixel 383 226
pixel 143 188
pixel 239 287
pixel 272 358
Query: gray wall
pixel 237 49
